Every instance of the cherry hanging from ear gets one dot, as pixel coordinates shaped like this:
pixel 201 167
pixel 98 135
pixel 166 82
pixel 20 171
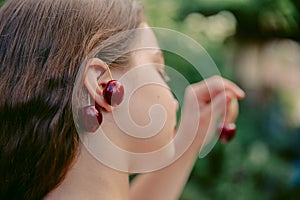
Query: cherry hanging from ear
pixel 113 92
pixel 90 118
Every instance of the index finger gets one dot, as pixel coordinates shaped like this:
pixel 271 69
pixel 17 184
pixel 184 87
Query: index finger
pixel 207 89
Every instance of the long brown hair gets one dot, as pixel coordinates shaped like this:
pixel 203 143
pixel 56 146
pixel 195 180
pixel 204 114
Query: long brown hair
pixel 42 44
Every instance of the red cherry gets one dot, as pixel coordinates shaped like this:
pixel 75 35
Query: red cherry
pixel 90 118
pixel 113 92
pixel 227 132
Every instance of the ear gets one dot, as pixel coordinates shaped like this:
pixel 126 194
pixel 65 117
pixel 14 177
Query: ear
pixel 96 74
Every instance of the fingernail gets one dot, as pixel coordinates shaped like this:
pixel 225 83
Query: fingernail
pixel 241 93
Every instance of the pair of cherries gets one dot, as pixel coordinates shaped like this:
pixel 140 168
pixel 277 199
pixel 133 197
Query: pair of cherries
pixel 91 116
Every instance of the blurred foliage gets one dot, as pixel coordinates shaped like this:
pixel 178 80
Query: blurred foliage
pixel 256 18
pixel 262 162
pixel 2 2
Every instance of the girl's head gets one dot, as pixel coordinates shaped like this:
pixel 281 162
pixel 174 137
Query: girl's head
pixel 136 135
pixel 42 45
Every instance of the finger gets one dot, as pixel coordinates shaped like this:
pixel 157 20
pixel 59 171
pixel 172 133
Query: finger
pixel 209 88
pixel 238 92
pixel 232 111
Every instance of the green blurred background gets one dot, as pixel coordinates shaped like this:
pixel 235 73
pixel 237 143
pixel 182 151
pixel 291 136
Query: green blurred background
pixel 256 44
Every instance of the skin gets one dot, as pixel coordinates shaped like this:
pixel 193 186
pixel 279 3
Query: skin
pixel 90 179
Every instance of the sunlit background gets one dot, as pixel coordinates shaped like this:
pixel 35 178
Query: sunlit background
pixel 256 44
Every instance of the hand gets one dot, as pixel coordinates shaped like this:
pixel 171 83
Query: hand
pixel 205 103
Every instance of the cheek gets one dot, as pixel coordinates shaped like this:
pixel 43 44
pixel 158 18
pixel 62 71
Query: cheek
pixel 152 105
pixel 151 101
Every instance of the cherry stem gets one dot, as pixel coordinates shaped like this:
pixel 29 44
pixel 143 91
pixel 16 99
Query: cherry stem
pixel 89 99
pixel 109 72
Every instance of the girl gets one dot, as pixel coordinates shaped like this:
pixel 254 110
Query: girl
pixel 42 46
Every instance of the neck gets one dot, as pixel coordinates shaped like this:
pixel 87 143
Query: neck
pixel 90 179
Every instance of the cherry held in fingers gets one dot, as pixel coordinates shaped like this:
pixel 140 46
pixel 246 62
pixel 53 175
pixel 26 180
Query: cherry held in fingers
pixel 113 92
pixel 227 132
pixel 91 118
